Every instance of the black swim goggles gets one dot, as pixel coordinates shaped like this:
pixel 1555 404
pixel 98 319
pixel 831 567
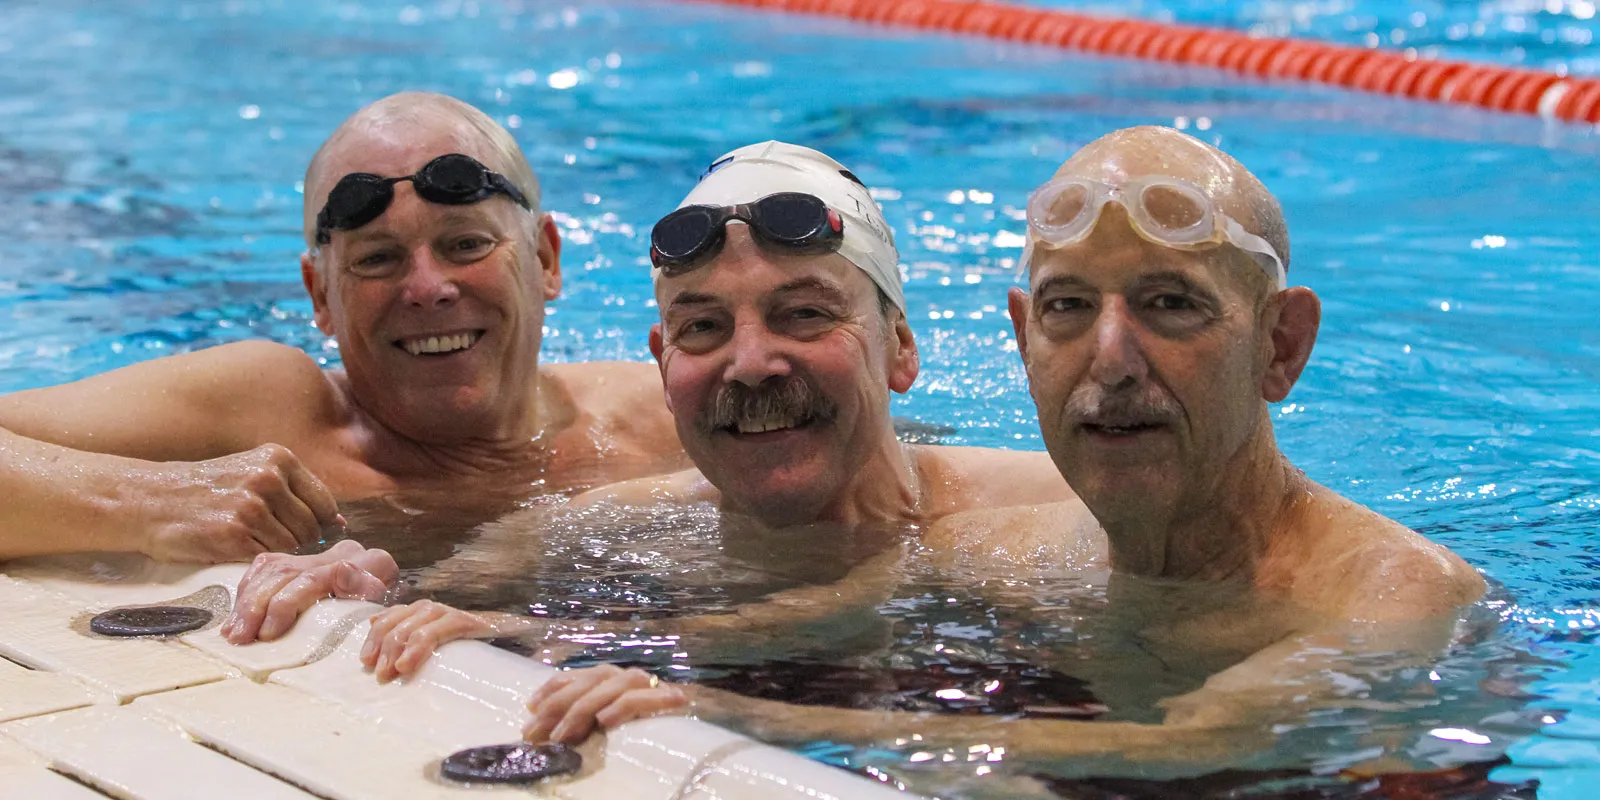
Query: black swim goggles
pixel 452 180
pixel 797 222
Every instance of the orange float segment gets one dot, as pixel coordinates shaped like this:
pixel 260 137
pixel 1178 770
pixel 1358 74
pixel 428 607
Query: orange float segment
pixel 1048 29
pixel 1127 39
pixel 1383 72
pixel 1142 39
pixel 1342 66
pixel 1434 78
pixel 1260 54
pixel 1207 51
pixel 1521 96
pixel 1471 85
pixel 1235 58
pixel 1297 65
pixel 1015 27
pixel 1577 96
pixel 1405 81
pixel 1577 100
pixel 1170 45
pixel 978 19
pixel 1318 63
pixel 1587 107
pixel 941 16
pixel 1373 74
pixel 1077 37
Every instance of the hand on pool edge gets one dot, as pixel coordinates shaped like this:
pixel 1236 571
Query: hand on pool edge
pixel 278 588
pixel 569 706
pixel 403 638
pixel 233 507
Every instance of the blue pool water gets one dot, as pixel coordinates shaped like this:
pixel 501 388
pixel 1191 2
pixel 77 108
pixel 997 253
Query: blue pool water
pixel 1547 34
pixel 150 153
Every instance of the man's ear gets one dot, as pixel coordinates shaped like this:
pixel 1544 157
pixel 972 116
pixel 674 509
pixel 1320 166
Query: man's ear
pixel 658 346
pixel 550 256
pixel 1294 333
pixel 318 290
pixel 905 362
pixel 1017 305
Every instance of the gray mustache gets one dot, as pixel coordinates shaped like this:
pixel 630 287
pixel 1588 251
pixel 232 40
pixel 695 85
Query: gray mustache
pixel 1091 401
pixel 787 397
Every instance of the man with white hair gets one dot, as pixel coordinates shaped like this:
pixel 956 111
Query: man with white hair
pixel 430 261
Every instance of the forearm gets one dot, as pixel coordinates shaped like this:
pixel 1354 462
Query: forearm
pixel 1026 738
pixel 60 500
pixel 500 624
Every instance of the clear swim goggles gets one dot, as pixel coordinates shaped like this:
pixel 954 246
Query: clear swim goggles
pixel 1171 212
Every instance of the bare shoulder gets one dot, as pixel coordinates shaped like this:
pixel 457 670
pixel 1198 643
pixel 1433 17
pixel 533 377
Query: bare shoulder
pixel 190 406
pixel 277 390
pixel 624 397
pixel 621 388
pixel 1063 533
pixel 676 488
pixel 987 477
pixel 1368 567
pixel 288 373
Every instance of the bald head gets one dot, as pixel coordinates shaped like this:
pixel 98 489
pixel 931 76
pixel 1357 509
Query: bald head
pixel 1130 153
pixel 414 124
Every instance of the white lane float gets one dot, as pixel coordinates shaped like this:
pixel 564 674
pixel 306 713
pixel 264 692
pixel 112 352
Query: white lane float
pixel 191 716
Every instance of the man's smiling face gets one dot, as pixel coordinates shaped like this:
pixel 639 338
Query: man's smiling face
pixel 778 369
pixel 438 309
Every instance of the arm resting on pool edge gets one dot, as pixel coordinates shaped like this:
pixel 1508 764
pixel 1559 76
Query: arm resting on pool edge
pixel 1232 715
pixel 403 638
pixel 165 458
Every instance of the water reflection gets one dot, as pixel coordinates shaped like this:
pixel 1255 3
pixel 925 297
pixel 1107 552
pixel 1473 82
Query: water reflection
pixel 696 595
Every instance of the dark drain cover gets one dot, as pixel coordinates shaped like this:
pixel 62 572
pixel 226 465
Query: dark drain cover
pixel 149 621
pixel 511 763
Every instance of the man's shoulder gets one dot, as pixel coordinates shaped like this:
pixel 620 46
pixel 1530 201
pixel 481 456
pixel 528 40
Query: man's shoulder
pixel 187 407
pixel 1058 534
pixel 620 404
pixel 674 488
pixel 620 391
pixel 260 360
pixel 262 374
pixel 606 375
pixel 988 477
pixel 1374 568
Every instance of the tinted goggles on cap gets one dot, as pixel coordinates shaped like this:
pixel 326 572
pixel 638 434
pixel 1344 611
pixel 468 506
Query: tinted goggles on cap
pixel 1171 212
pixel 795 221
pixel 452 180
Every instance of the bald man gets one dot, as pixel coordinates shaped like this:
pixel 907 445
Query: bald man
pixel 429 260
pixel 1233 592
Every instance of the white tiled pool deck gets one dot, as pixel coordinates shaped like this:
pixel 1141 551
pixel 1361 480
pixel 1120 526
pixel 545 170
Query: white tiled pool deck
pixel 85 716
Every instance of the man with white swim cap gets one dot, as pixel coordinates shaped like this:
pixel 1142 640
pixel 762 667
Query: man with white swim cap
pixel 1158 328
pixel 429 260
pixel 746 175
pixel 782 334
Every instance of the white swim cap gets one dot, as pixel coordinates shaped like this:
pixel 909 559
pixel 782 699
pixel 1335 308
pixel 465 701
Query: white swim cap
pixel 751 173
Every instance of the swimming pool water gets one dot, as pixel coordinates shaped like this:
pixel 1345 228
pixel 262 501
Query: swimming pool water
pixel 150 154
pixel 1545 34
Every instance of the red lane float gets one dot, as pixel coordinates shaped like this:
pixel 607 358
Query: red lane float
pixel 1508 89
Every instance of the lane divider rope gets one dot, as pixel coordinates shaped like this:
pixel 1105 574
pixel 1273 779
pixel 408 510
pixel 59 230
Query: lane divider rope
pixel 1509 89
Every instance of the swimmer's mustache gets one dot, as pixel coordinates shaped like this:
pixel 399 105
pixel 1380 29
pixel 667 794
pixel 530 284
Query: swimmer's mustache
pixel 788 399
pixel 1093 404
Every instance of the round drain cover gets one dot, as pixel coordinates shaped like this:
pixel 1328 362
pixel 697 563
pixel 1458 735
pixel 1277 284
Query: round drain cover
pixel 149 621
pixel 511 763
